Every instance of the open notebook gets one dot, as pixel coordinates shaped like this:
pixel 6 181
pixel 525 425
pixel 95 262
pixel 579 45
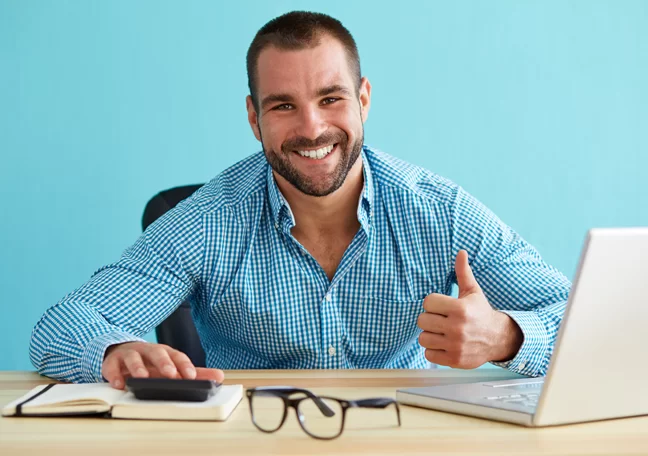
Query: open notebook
pixel 101 398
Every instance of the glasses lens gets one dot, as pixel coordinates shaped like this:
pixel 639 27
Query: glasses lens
pixel 267 410
pixel 319 424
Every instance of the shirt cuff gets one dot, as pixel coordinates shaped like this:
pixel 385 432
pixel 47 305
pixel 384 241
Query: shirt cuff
pixel 530 358
pixel 93 356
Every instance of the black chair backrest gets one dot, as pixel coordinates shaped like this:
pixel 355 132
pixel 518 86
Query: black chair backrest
pixel 178 330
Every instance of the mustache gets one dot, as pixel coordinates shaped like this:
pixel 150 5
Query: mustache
pixel 301 143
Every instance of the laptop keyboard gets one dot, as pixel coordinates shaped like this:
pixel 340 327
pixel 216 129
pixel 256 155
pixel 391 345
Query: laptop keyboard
pixel 525 399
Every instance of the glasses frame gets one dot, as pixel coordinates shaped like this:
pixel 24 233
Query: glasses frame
pixel 284 393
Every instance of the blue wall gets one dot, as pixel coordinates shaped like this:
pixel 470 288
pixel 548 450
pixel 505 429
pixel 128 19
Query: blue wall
pixel 540 109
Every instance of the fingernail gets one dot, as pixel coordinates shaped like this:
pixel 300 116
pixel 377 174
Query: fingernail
pixel 141 372
pixel 117 384
pixel 168 370
pixel 190 372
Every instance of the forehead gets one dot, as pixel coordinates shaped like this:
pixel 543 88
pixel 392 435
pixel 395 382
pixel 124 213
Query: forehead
pixel 303 71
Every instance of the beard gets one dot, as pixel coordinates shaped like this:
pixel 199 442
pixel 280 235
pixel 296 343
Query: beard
pixel 349 153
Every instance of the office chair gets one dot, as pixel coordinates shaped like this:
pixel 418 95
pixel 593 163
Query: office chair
pixel 178 330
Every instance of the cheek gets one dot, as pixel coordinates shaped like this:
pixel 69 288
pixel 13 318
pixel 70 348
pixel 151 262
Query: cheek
pixel 273 132
pixel 351 124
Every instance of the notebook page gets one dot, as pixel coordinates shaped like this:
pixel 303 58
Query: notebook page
pixel 65 394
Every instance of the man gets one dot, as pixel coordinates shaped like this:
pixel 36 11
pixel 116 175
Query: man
pixel 319 252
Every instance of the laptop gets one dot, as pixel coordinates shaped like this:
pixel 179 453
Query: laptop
pixel 598 369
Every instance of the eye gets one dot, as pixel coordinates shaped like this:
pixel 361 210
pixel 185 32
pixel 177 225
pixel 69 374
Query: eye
pixel 282 107
pixel 329 100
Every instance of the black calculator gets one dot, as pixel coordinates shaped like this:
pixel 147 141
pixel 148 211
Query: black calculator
pixel 170 389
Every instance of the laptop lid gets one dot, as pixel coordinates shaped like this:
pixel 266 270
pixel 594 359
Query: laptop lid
pixel 599 367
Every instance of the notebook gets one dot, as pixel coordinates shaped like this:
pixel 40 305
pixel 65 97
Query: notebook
pixel 101 398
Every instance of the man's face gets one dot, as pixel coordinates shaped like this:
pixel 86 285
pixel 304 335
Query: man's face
pixel 311 115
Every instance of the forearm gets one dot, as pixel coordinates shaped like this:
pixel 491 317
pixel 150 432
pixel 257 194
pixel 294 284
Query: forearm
pixel 516 281
pixel 539 329
pixel 69 341
pixel 510 339
pixel 120 303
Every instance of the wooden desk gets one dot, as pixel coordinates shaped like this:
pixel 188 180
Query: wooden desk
pixel 368 433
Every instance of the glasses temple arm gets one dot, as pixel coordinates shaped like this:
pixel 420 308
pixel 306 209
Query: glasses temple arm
pixel 378 403
pixel 288 390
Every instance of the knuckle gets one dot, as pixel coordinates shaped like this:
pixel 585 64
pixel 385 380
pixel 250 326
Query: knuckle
pixel 461 314
pixel 430 301
pixel 455 359
pixel 182 358
pixel 157 354
pixel 460 337
pixel 132 358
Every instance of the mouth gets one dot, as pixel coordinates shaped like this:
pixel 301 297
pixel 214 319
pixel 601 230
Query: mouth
pixel 317 154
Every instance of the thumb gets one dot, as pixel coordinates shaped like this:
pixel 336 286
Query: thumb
pixel 465 278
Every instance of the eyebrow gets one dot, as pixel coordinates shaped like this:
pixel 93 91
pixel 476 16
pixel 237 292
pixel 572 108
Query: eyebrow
pixel 333 89
pixel 286 98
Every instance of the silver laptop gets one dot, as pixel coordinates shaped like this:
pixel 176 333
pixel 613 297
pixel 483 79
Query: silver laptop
pixel 598 369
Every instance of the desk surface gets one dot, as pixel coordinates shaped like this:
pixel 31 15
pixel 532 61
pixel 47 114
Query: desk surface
pixel 369 432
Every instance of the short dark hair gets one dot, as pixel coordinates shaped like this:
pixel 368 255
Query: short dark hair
pixel 299 30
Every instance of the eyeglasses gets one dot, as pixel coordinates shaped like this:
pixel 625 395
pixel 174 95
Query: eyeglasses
pixel 319 416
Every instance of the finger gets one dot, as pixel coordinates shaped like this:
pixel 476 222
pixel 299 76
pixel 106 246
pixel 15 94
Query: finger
pixel 135 364
pixel 433 323
pixel 437 357
pixel 112 371
pixel 465 277
pixel 154 372
pixel 159 357
pixel 203 373
pixel 183 364
pixel 432 341
pixel 439 304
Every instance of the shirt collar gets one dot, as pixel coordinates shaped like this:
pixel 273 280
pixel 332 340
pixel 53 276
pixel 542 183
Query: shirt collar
pixel 283 218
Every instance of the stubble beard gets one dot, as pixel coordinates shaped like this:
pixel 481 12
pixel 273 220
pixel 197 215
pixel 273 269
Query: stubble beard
pixel 281 164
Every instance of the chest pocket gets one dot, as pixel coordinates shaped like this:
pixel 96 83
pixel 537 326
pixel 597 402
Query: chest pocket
pixel 378 330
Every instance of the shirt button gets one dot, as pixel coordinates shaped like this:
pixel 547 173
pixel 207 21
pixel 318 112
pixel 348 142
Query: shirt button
pixel 331 350
pixel 276 225
pixel 522 365
pixel 328 298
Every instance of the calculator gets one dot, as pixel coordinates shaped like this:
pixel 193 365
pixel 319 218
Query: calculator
pixel 171 389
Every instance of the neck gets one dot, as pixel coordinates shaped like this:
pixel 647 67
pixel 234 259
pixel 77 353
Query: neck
pixel 334 214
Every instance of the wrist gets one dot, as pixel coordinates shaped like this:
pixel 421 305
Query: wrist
pixel 509 338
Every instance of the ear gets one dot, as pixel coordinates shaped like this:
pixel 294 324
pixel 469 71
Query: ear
pixel 365 98
pixel 253 119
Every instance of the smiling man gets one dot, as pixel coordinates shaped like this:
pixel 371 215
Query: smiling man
pixel 318 252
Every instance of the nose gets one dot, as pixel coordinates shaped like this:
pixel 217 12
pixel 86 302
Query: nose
pixel 310 123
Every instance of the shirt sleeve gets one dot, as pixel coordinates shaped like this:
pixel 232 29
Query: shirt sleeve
pixel 122 301
pixel 515 280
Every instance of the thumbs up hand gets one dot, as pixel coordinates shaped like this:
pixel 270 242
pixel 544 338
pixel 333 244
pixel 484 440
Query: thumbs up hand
pixel 466 332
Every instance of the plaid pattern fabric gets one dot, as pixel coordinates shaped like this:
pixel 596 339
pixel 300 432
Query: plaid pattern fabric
pixel 261 301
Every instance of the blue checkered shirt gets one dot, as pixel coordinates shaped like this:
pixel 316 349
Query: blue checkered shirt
pixel 261 301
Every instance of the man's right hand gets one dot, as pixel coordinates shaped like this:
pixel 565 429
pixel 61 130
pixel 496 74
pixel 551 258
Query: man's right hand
pixel 143 359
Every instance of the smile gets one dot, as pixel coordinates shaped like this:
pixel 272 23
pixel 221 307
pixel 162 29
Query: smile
pixel 317 153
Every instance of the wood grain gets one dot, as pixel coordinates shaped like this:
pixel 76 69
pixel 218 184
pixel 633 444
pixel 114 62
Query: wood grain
pixel 368 432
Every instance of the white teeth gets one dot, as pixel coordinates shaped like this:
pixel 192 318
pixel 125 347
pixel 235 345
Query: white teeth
pixel 319 153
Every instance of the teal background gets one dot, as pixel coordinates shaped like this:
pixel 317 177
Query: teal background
pixel 539 109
